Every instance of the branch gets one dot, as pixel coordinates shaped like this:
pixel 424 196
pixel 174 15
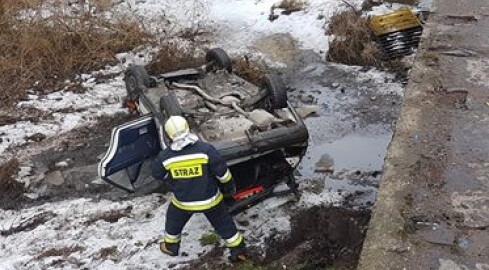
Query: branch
pixel 350 5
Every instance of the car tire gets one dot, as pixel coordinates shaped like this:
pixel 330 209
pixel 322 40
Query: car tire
pixel 277 93
pixel 136 79
pixel 220 59
pixel 170 106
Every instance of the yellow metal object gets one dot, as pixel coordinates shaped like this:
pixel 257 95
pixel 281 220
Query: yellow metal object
pixel 396 21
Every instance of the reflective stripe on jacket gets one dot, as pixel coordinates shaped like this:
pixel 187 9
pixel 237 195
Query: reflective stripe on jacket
pixel 193 173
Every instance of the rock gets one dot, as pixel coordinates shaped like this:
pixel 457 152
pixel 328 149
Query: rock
pixel 37 137
pixel 448 265
pixel 325 164
pixel 112 100
pixel 399 248
pixel 440 235
pixel 98 181
pixel 307 111
pixel 335 85
pixel 55 178
pixel 39 178
pixel 32 196
pixel 243 221
pixel 62 164
pixel 307 99
pixel 24 172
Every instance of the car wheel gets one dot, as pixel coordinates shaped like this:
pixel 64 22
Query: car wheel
pixel 277 94
pixel 220 59
pixel 170 106
pixel 136 79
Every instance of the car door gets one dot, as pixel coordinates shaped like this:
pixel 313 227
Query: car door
pixel 131 144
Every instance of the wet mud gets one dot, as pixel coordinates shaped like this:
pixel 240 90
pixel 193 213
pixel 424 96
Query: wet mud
pixel 321 237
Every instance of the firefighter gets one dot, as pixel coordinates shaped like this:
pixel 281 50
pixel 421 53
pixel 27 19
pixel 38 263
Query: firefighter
pixel 199 180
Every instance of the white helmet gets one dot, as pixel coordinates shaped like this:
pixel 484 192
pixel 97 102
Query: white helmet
pixel 176 126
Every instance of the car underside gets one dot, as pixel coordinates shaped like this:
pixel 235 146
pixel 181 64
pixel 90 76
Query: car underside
pixel 254 128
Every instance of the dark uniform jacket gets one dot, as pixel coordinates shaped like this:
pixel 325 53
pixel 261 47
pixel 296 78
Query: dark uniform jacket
pixel 193 173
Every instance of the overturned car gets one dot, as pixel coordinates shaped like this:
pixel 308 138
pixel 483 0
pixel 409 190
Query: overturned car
pixel 254 128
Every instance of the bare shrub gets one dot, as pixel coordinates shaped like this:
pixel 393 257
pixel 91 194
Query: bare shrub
pixel 41 51
pixel 173 56
pixel 354 41
pixel 10 190
pixel 249 70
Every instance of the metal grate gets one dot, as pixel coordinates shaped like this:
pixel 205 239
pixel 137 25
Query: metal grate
pixel 398 32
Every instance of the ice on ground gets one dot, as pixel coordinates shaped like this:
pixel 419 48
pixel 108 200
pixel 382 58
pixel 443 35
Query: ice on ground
pixel 384 80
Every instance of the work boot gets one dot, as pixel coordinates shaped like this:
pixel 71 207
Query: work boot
pixel 170 249
pixel 238 253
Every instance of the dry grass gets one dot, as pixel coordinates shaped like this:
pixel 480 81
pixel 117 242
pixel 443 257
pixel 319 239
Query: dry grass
pixel 28 224
pixel 172 57
pixel 354 43
pixel 10 190
pixel 292 5
pixel 111 216
pixel 40 51
pixel 248 70
pixel 108 253
pixel 64 252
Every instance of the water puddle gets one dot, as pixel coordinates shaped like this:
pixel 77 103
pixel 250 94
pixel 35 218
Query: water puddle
pixel 353 152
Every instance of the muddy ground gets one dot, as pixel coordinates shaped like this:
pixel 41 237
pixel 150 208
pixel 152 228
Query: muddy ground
pixel 321 237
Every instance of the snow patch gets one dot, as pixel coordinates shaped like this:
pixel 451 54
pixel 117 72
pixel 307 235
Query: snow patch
pixel 132 238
